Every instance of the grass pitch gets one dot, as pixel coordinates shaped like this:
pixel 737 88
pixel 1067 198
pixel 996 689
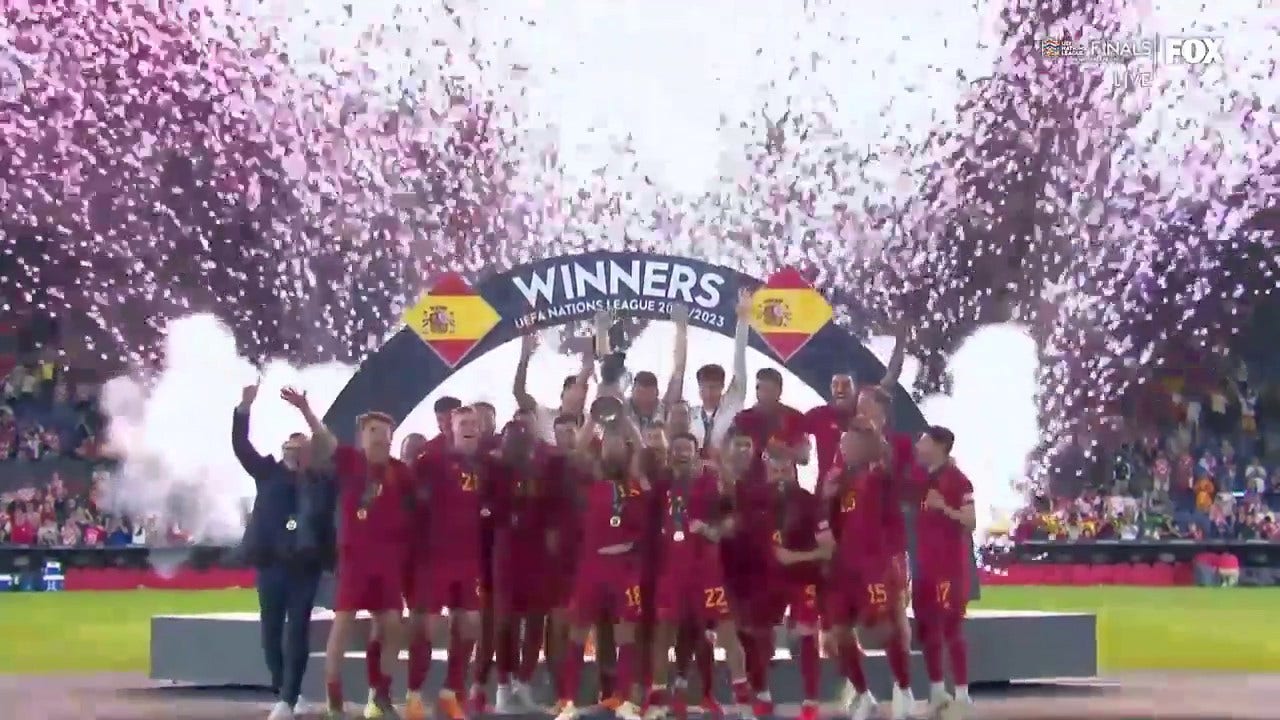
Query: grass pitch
pixel 1138 628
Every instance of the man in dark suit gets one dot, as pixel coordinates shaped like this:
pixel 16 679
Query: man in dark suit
pixel 290 540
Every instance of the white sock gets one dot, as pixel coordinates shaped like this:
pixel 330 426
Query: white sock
pixel 962 692
pixel 937 689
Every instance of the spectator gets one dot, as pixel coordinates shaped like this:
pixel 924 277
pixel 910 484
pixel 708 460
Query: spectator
pixel 70 536
pixel 1255 476
pixel 25 528
pixel 1204 489
pixel 120 535
pixel 48 534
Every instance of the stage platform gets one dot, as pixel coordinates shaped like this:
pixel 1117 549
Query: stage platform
pixel 1004 646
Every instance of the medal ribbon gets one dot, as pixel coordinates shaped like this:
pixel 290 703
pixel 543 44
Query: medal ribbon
pixel 780 512
pixel 371 491
pixel 619 496
pixel 679 505
pixel 708 423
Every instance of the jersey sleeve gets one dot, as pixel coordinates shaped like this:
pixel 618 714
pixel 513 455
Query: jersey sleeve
pixel 958 491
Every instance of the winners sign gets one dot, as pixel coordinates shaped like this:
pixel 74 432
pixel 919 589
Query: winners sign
pixel 563 290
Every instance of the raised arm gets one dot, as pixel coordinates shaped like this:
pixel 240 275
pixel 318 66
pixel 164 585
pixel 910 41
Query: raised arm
pixel 680 356
pixel 519 388
pixel 250 459
pixel 576 399
pixel 893 370
pixel 323 441
pixel 737 390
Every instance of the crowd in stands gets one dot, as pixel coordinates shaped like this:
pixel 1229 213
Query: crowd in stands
pixel 1196 457
pixel 52 468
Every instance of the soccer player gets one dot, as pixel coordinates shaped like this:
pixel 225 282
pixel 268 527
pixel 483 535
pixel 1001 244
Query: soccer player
pixel 718 405
pixel 867 584
pixel 690 587
pixel 827 422
pixel 411 448
pixel 375 496
pixel 522 562
pixel 443 409
pixel 460 485
pixel 608 580
pixel 797 580
pixel 565 526
pixel 940 594
pixel 573 393
pixel 746 553
pixel 771 424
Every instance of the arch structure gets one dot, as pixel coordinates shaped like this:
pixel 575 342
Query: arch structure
pixel 407 368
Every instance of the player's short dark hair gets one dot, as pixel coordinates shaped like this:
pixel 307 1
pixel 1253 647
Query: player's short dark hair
pixel 565 420
pixel 710 373
pixel 569 382
pixel 942 436
pixel 770 375
pixel 486 405
pixel 644 378
pixel 686 436
pixel 447 404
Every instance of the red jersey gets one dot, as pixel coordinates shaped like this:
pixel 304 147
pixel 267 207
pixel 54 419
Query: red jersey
pixel 797 516
pixel 616 513
pixel 872 524
pixel 749 549
pixel 783 425
pixel 683 501
pixel 826 423
pixel 943 546
pixel 531 501
pixel 375 502
pixel 461 503
pixel 437 445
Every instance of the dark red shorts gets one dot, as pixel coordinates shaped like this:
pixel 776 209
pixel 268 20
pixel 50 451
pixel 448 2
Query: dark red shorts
pixel 692 592
pixel 749 597
pixel 940 600
pixel 524 586
pixel 866 595
pixel 799 603
pixel 439 584
pixel 370 580
pixel 607 586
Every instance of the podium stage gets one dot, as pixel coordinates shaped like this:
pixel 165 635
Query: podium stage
pixel 1004 646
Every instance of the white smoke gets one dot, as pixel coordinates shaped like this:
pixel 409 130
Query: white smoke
pixel 174 432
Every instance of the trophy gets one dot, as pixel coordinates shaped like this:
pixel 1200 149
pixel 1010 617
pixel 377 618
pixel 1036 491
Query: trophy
pixel 607 408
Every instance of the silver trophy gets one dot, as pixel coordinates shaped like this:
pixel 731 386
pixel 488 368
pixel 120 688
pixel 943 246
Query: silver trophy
pixel 608 408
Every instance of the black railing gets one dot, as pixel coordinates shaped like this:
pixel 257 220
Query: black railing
pixel 19 559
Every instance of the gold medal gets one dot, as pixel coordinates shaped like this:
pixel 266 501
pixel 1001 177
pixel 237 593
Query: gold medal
pixel 291 525
pixel 362 514
pixel 678 536
pixel 615 521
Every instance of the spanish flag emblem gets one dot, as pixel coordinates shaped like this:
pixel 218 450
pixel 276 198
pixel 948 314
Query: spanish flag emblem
pixel 786 312
pixel 451 318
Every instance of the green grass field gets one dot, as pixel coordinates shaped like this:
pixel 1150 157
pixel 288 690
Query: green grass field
pixel 1138 628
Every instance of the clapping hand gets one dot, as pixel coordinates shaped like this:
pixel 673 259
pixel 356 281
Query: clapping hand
pixel 784 556
pixel 698 526
pixel 295 397
pixel 934 500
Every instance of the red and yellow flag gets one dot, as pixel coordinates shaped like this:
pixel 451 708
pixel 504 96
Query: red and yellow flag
pixel 786 312
pixel 451 318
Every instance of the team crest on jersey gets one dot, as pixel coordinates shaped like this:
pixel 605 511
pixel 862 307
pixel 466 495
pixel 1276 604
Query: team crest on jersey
pixel 440 320
pixel 774 313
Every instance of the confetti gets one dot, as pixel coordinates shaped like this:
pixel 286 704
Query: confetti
pixel 167 158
